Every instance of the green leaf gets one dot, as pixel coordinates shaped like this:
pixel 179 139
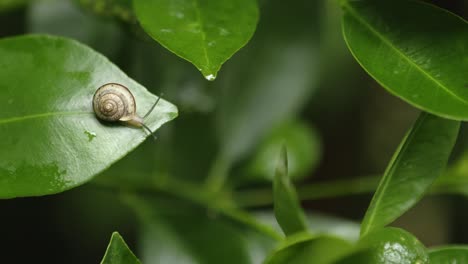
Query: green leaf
pixel 118 252
pixel 304 151
pixel 288 211
pixel 417 51
pixel 204 32
pixel 51 139
pixel 389 245
pixel 418 161
pixel 304 248
pixel 449 255
pixel 175 232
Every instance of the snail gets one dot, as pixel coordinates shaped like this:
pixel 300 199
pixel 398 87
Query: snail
pixel 114 102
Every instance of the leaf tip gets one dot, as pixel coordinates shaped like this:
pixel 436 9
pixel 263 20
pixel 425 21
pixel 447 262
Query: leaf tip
pixel 282 164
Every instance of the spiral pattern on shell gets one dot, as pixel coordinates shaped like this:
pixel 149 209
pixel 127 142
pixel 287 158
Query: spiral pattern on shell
pixel 114 102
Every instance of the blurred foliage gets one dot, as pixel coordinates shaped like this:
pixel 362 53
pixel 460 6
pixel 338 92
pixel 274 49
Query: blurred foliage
pixel 294 83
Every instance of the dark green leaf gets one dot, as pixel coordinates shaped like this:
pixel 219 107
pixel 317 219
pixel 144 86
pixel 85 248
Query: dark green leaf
pixel 51 139
pixel 449 255
pixel 304 151
pixel 288 211
pixel 418 161
pixel 118 252
pixel 389 245
pixel 304 248
pixel 204 32
pixel 416 51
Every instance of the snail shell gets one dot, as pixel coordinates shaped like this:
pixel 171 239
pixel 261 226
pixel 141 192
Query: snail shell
pixel 113 102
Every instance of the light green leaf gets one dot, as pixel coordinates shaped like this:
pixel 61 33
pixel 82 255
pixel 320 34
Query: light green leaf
pixel 288 211
pixel 449 255
pixel 304 152
pixel 51 139
pixel 118 252
pixel 304 248
pixel 418 161
pixel 204 32
pixel 417 51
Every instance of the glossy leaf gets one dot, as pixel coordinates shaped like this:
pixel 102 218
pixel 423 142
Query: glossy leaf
pixel 415 50
pixel 118 252
pixel 51 139
pixel 304 152
pixel 389 245
pixel 175 232
pixel 418 161
pixel 287 208
pixel 204 32
pixel 304 248
pixel 449 255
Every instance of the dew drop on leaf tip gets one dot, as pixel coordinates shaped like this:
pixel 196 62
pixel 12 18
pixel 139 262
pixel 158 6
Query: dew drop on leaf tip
pixel 210 77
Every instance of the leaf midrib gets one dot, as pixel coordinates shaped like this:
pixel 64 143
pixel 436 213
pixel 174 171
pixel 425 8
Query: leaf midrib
pixel 196 6
pixel 374 31
pixel 41 115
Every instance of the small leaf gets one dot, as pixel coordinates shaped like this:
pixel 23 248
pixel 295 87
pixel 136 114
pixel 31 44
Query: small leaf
pixel 288 212
pixel 51 139
pixel 304 152
pixel 118 252
pixel 415 50
pixel 304 248
pixel 449 255
pixel 204 32
pixel 418 161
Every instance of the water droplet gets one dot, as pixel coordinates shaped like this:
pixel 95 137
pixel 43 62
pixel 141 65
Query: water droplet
pixel 179 15
pixel 210 77
pixel 166 30
pixel 91 135
pixel 223 32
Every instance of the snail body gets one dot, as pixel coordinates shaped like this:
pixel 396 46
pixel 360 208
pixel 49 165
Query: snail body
pixel 114 102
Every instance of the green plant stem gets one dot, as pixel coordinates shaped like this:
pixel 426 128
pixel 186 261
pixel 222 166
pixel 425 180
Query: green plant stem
pixel 264 197
pixel 218 174
pixel 217 202
pixel 362 185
